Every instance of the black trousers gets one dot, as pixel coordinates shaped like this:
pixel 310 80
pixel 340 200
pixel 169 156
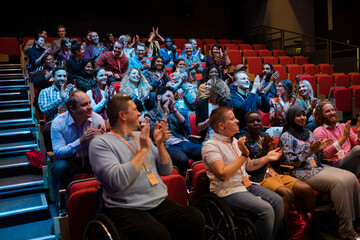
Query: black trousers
pixel 169 220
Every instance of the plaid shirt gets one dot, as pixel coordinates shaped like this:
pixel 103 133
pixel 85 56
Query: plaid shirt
pixel 50 101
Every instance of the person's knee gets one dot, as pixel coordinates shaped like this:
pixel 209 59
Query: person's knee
pixel 286 193
pixel 59 167
pixel 356 148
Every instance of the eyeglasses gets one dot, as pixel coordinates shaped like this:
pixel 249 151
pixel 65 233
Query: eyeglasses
pixel 279 86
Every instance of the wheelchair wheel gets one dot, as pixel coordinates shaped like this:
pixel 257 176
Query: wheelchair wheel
pixel 218 221
pixel 101 227
pixel 246 229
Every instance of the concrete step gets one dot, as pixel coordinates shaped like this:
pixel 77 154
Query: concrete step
pixel 11 82
pixel 21 209
pixel 15 123
pixel 13 94
pixel 17 185
pixel 14 135
pixel 15 113
pixel 13 162
pixel 14 103
pixel 11 75
pixel 7 149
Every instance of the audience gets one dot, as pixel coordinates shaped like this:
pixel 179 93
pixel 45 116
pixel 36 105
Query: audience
pixel 306 99
pixel 192 61
pixel 135 85
pixel 138 61
pixel 52 99
pixel 115 63
pixel 345 151
pixel 261 146
pixel 302 151
pixel 218 58
pixel 270 76
pixel 168 53
pixel 177 139
pixel 65 51
pixel 109 41
pixel 128 166
pixel 29 44
pixel 37 52
pixel 128 51
pixel 85 79
pixel 56 44
pixel 196 50
pixel 99 93
pixel 95 49
pixel 74 63
pixel 227 161
pixel 218 95
pixel 157 75
pixel 209 72
pixel 244 99
pixel 71 133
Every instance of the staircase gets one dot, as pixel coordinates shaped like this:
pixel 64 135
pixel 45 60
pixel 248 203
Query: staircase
pixel 22 194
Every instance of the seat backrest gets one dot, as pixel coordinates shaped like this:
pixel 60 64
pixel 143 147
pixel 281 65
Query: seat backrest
pixel 10 46
pixel 281 70
pixel 224 41
pixel 265 118
pixel 341 79
pixel 192 120
pixel 168 69
pixel 231 46
pixel 278 52
pixel 259 46
pixel 254 65
pixel 342 96
pixel 235 57
pixel 310 68
pixel 116 85
pixel 209 41
pixel 326 68
pixel 272 60
pixel 245 46
pixel 354 78
pixel 301 60
pixel 179 42
pixel 199 173
pixel 249 53
pixel 294 70
pixel 324 82
pixel 176 188
pixel 285 60
pixel 237 41
pixel 264 53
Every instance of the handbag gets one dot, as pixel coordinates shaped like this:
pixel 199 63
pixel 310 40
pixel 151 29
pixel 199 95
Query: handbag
pixel 35 157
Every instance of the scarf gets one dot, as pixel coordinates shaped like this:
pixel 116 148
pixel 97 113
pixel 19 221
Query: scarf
pixel 291 127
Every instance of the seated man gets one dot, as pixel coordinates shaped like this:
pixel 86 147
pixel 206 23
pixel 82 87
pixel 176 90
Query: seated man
pixel 71 133
pixel 176 142
pixel 94 50
pixel 139 61
pixel 196 50
pixel 244 100
pixel 192 61
pixel 52 99
pixel 270 77
pixel 128 166
pixel 345 150
pixel 226 161
pixel 115 63
pixel 168 53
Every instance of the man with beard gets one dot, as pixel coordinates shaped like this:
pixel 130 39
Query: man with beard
pixel 71 133
pixel 115 63
pixel 176 142
pixel 270 77
pixel 168 53
pixel 345 150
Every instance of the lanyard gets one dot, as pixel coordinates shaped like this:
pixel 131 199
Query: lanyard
pixel 261 139
pixel 235 154
pixel 126 142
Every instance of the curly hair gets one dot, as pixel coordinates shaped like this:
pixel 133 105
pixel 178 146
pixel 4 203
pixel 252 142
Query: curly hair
pixel 319 119
pixel 220 91
pixel 128 88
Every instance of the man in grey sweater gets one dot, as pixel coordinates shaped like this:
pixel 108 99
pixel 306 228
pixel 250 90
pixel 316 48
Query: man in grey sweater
pixel 128 166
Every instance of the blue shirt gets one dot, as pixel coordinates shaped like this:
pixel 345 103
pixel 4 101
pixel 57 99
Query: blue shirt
pixel 168 56
pixel 189 62
pixel 134 62
pixel 65 135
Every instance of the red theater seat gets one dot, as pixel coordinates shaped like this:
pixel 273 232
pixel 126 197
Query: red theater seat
pixel 271 60
pixel 354 78
pixel 355 91
pixel 285 60
pixel 326 68
pixel 324 83
pixel 224 41
pixel 341 79
pixel 293 70
pixel 264 53
pixel 265 118
pixel 231 46
pixel 176 188
pixel 245 46
pixel 282 71
pixel 192 120
pixel 249 53
pixel 9 46
pixel 179 42
pixel 310 69
pixel 278 52
pixel 259 46
pixel 235 57
pixel 237 41
pixel 254 65
pixel 342 98
pixel 207 41
pixel 301 60
pixel 200 44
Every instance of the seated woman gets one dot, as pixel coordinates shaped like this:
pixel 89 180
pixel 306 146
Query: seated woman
pixel 135 85
pixel 218 95
pixel 85 80
pixel 184 89
pixel 260 145
pixel 279 106
pixel 129 52
pixel 306 99
pixel 99 93
pixel 65 51
pixel 301 150
pixel 227 161
pixel 37 53
pixel 209 72
pixel 218 57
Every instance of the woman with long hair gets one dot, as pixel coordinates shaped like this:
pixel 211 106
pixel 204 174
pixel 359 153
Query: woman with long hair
pixel 306 99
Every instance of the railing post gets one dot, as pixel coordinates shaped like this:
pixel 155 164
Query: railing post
pixel 282 32
pixel 357 59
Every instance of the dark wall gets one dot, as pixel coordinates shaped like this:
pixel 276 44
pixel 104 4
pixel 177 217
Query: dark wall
pixel 182 19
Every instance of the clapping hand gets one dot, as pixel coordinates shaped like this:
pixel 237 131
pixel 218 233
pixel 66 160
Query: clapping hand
pixel 160 132
pixel 144 136
pixel 325 144
pixel 241 143
pixel 274 155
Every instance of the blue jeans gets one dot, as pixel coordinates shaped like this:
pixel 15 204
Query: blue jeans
pixel 181 152
pixel 266 206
